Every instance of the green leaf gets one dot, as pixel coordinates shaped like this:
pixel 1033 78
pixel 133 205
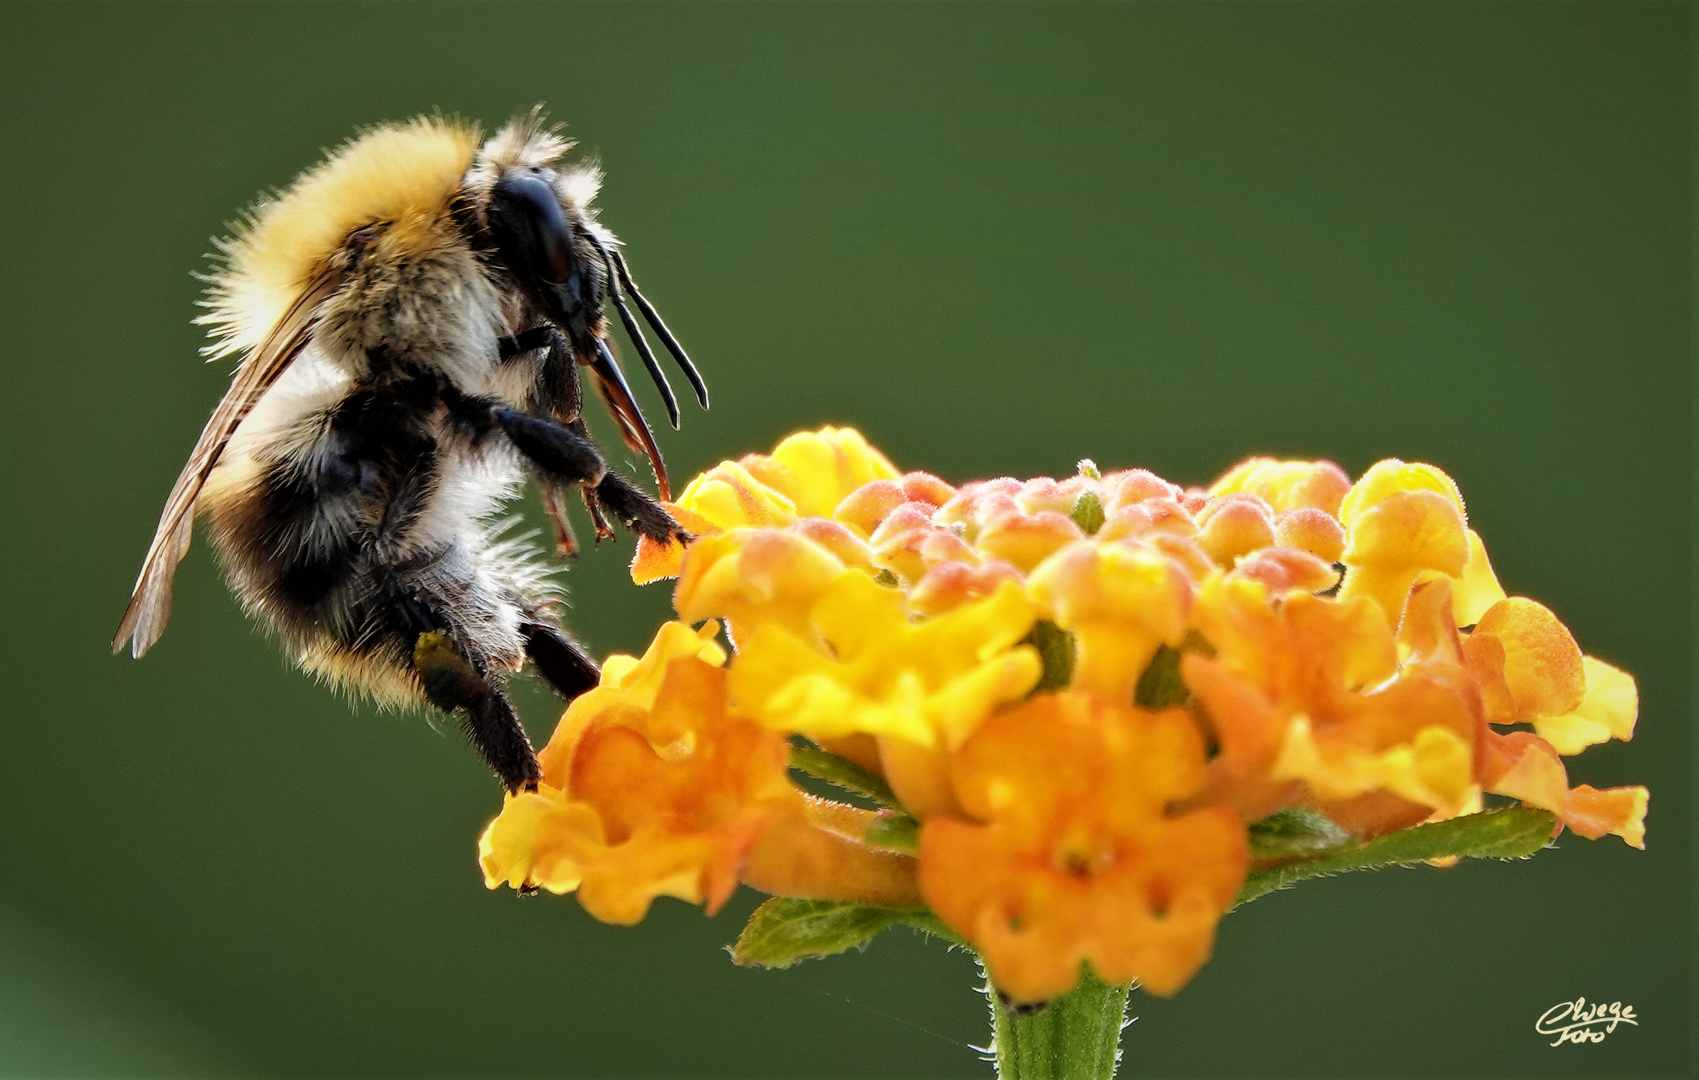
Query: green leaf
pixel 1088 513
pixel 785 930
pixel 1161 686
pixel 1512 833
pixel 897 832
pixel 844 773
pixel 1295 832
pixel 1056 648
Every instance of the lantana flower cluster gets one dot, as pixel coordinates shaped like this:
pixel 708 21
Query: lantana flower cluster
pixel 1079 693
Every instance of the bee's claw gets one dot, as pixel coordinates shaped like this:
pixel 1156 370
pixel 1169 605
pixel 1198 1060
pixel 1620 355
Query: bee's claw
pixel 637 510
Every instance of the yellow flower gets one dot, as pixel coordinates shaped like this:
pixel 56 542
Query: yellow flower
pixel 1398 526
pixel 806 476
pixel 756 576
pixel 1609 706
pixel 1404 522
pixel 863 666
pixel 817 470
pixel 540 840
pixel 1287 485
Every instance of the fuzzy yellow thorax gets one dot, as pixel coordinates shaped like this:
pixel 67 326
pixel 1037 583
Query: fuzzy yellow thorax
pixel 402 174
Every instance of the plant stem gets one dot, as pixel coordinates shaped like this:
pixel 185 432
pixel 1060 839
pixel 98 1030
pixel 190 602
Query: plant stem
pixel 1073 1037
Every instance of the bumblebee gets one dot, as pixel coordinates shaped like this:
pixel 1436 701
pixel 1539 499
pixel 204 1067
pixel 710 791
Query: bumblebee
pixel 411 316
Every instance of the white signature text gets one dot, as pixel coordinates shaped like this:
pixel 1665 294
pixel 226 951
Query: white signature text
pixel 1578 1022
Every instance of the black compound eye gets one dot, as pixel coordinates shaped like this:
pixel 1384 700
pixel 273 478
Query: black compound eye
pixel 530 228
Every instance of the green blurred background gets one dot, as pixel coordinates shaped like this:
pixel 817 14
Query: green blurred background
pixel 997 239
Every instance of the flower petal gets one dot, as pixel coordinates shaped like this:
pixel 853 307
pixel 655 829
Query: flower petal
pixel 1607 711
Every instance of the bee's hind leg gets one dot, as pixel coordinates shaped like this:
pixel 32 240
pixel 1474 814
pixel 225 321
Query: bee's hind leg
pixel 453 683
pixel 562 662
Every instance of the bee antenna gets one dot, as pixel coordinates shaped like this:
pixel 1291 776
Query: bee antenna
pixel 635 333
pixel 660 328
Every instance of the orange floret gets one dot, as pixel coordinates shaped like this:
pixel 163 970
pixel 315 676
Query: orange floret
pixel 1120 601
pixel 1524 766
pixel 1356 721
pixel 654 786
pixel 664 800
pixel 1070 855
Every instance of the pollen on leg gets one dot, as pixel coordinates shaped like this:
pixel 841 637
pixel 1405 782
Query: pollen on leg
pixel 449 679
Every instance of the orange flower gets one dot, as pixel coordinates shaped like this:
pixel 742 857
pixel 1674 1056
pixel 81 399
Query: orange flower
pixel 1524 766
pixel 1235 525
pixel 1070 855
pixel 664 800
pixel 654 787
pixel 1350 719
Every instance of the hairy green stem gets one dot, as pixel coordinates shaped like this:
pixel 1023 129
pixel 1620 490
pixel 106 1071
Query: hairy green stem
pixel 1073 1037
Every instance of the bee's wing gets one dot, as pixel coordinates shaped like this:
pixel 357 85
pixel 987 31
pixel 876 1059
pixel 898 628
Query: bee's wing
pixel 150 602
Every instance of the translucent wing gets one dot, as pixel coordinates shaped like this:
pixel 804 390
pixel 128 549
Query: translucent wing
pixel 150 602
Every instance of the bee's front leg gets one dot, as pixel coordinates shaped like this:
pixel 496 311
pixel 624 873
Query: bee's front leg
pixel 564 454
pixel 637 510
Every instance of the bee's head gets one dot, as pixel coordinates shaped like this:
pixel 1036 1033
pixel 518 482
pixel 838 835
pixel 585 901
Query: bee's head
pixel 532 214
pixel 536 220
pixel 542 248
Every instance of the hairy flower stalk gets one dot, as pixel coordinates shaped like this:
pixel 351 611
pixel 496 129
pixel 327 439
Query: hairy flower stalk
pixel 1094 714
